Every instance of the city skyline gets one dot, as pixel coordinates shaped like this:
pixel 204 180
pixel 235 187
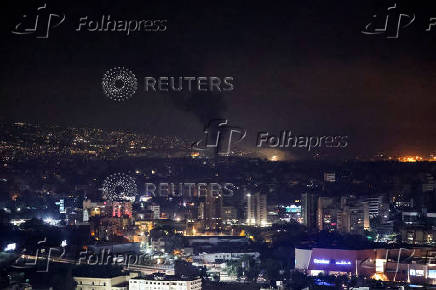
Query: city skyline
pixel 330 80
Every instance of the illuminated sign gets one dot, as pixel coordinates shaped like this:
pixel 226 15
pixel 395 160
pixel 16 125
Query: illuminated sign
pixel 414 272
pixel 10 247
pixel 343 263
pixel 432 274
pixel 380 265
pixel 293 209
pixel 321 261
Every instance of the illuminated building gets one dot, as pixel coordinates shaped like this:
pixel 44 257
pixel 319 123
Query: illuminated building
pixel 326 213
pixel 103 282
pixel 155 208
pixel 61 204
pixel 91 209
pixel 229 214
pixel 414 265
pixel 121 208
pixel 374 205
pixel 164 282
pixel 329 177
pixel 353 217
pixel 212 209
pixel 257 213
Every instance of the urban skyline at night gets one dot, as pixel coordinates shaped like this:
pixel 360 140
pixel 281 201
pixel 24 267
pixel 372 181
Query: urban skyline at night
pixel 159 145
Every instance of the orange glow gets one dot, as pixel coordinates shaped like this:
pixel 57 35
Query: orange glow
pixel 379 277
pixel 195 154
pixel 410 158
pixel 274 158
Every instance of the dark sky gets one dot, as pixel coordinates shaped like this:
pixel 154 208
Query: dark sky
pixel 303 66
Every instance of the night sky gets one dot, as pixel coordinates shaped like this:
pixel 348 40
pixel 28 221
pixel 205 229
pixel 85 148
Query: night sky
pixel 303 66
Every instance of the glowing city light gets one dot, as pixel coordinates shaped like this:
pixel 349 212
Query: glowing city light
pixel 321 261
pixel 10 247
pixel 343 263
pixel 379 277
pixel 51 221
pixel 274 158
pixel 410 158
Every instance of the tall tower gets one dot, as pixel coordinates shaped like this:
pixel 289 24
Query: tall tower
pixel 257 213
pixel 212 210
pixel 309 204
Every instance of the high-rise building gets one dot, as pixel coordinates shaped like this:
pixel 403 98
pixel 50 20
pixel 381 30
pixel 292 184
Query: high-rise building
pixel 326 213
pixel 353 218
pixel 121 208
pixel 257 211
pixel 229 214
pixel 374 206
pixel 309 205
pixel 210 209
pixel 201 210
pixel 155 208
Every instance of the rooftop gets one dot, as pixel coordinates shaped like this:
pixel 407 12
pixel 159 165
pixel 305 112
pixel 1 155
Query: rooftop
pixel 163 277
